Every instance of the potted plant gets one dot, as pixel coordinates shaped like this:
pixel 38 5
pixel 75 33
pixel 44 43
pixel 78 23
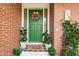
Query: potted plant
pixel 51 51
pixel 47 40
pixel 23 38
pixel 17 51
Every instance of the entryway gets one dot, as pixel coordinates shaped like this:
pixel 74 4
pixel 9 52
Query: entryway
pixel 36 24
pixel 35 30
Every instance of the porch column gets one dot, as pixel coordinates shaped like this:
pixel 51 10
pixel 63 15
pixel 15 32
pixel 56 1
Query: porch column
pixel 51 21
pixel 10 22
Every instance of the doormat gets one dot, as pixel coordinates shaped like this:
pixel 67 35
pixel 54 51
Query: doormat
pixel 35 48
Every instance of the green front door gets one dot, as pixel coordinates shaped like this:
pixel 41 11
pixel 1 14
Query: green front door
pixel 35 26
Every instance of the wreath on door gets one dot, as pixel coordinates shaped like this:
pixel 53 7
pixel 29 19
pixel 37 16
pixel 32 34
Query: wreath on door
pixel 35 15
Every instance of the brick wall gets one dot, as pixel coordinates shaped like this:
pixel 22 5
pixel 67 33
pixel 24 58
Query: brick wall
pixel 10 19
pixel 58 16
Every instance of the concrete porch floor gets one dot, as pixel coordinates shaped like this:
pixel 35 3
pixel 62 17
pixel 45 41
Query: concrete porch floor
pixel 34 50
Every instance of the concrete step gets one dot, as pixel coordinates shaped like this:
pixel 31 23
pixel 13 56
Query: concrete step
pixel 26 53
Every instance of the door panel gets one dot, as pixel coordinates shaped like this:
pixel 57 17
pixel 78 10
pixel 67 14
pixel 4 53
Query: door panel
pixel 35 27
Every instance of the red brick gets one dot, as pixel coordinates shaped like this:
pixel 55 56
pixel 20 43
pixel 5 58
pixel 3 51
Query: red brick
pixel 10 21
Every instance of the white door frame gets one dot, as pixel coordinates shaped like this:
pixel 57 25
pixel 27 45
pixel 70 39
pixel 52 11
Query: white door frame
pixel 44 21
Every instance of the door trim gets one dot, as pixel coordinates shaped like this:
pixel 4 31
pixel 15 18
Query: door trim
pixel 44 21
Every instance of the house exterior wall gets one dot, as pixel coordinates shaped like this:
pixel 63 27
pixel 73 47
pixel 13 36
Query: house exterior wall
pixel 58 16
pixel 10 22
pixel 10 19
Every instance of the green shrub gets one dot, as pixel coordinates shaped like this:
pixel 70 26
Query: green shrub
pixel 70 51
pixel 71 38
pixel 51 51
pixel 17 51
